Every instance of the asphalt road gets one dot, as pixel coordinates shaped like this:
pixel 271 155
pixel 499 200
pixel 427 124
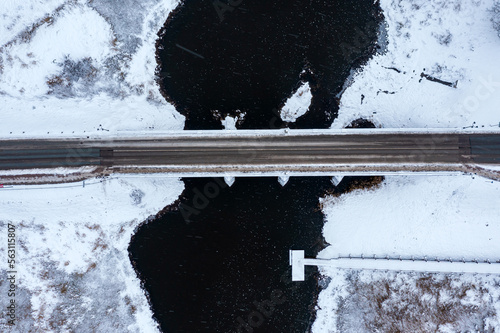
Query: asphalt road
pixel 250 152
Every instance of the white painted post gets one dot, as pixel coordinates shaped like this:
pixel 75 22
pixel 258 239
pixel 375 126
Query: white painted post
pixel 296 260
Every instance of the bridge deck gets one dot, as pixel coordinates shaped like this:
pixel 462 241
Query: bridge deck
pixel 281 152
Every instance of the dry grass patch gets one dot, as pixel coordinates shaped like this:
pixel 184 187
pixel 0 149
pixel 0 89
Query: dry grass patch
pixel 411 302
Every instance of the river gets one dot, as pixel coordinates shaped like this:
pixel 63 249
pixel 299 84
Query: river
pixel 217 259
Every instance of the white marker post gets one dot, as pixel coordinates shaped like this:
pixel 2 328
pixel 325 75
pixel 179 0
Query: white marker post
pixel 296 261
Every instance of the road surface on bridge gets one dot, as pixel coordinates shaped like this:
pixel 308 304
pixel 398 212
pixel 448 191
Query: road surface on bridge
pixel 277 152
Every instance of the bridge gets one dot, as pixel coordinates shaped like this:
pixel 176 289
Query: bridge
pixel 261 153
pixel 298 263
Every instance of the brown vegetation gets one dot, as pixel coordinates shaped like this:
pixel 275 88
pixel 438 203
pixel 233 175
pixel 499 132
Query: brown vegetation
pixel 416 303
pixel 350 184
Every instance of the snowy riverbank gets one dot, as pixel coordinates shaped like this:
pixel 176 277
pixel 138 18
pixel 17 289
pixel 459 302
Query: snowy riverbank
pixel 73 269
pixel 81 68
pixel 449 216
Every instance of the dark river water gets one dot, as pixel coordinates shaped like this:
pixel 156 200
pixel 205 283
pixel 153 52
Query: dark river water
pixel 217 259
pixel 250 57
pixel 230 260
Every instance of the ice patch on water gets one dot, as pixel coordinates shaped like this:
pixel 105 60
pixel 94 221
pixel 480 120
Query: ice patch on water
pixel 298 104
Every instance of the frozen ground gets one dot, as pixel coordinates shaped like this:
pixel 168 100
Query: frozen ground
pixel 74 274
pixel 443 216
pixel 81 67
pixel 364 301
pixel 440 216
pixel 455 41
pixel 447 216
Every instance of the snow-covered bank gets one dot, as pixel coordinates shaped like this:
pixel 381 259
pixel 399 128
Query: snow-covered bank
pixel 454 216
pixel 445 217
pixel 101 116
pixel 441 216
pixel 448 40
pixel 76 69
pixel 367 301
pixel 82 67
pixel 74 273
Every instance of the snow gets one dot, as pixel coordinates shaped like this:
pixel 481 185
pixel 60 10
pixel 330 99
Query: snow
pixel 298 104
pixel 337 179
pixel 61 242
pixel 16 15
pixel 81 117
pixel 70 34
pixel 420 216
pixel 283 179
pixel 450 40
pixel 150 129
pixel 81 69
pixel 445 217
pixel 229 123
pixel 53 171
pixel 74 72
pixel 363 301
pixel 395 264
